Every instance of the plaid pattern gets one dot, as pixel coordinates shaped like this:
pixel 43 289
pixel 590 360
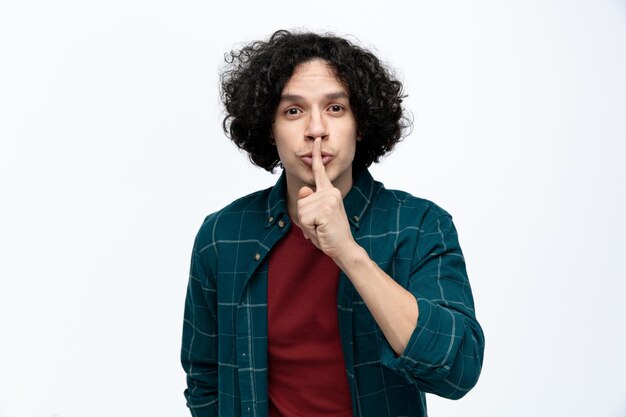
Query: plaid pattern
pixel 224 350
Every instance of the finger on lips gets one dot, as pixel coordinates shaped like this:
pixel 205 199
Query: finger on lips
pixel 319 171
pixel 321 182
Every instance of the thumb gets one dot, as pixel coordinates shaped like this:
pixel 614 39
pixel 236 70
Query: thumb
pixel 304 192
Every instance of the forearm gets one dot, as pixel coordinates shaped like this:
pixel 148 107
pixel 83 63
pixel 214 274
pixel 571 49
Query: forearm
pixel 441 352
pixel 393 307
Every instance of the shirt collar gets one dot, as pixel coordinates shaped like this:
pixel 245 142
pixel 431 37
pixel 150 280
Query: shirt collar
pixel 356 202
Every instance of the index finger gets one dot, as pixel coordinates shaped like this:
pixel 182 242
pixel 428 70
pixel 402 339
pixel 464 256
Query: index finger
pixel 319 171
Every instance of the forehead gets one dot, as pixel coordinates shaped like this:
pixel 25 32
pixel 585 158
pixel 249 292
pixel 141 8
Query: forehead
pixel 314 75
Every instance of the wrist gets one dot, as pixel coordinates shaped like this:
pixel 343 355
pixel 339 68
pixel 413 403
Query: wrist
pixel 353 257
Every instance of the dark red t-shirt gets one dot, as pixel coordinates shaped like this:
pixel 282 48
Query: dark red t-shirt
pixel 306 370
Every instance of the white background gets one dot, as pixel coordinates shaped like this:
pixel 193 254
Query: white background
pixel 112 153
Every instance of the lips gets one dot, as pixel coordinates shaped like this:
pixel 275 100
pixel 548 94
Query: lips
pixel 308 159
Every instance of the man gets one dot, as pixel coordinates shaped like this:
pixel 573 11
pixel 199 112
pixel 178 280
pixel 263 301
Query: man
pixel 327 294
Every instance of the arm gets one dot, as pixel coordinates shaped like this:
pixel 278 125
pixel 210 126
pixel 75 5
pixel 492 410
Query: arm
pixel 444 353
pixel 199 346
pixel 323 219
pixel 393 307
pixel 434 338
pixel 437 342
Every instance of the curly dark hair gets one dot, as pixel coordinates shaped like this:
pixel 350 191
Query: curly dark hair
pixel 255 75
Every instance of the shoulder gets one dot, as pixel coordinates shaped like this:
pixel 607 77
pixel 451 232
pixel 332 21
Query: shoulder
pixel 405 207
pixel 228 222
pixel 417 224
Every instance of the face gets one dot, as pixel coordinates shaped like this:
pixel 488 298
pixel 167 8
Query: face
pixel 314 103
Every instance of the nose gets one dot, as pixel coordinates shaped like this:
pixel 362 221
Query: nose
pixel 317 127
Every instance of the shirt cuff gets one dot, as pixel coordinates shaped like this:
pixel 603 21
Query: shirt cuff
pixel 433 345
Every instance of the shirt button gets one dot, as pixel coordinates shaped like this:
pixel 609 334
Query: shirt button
pixel 281 223
pixel 355 218
pixel 248 409
pixel 257 256
pixel 271 219
pixel 243 354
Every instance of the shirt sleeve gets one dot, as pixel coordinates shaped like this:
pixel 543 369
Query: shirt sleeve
pixel 445 352
pixel 199 345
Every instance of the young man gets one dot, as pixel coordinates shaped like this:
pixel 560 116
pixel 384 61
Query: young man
pixel 327 294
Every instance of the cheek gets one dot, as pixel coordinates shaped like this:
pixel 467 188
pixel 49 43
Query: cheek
pixel 285 147
pixel 282 153
pixel 286 132
pixel 348 131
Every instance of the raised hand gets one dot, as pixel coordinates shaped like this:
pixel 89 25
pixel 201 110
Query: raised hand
pixel 321 214
pixel 323 219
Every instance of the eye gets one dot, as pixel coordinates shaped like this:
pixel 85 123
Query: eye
pixel 336 108
pixel 293 111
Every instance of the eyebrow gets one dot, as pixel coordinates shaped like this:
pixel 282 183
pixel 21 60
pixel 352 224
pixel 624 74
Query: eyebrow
pixel 329 96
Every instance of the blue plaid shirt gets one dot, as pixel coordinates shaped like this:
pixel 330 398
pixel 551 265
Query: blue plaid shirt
pixel 224 350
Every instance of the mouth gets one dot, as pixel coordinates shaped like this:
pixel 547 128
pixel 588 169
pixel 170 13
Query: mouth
pixel 308 159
